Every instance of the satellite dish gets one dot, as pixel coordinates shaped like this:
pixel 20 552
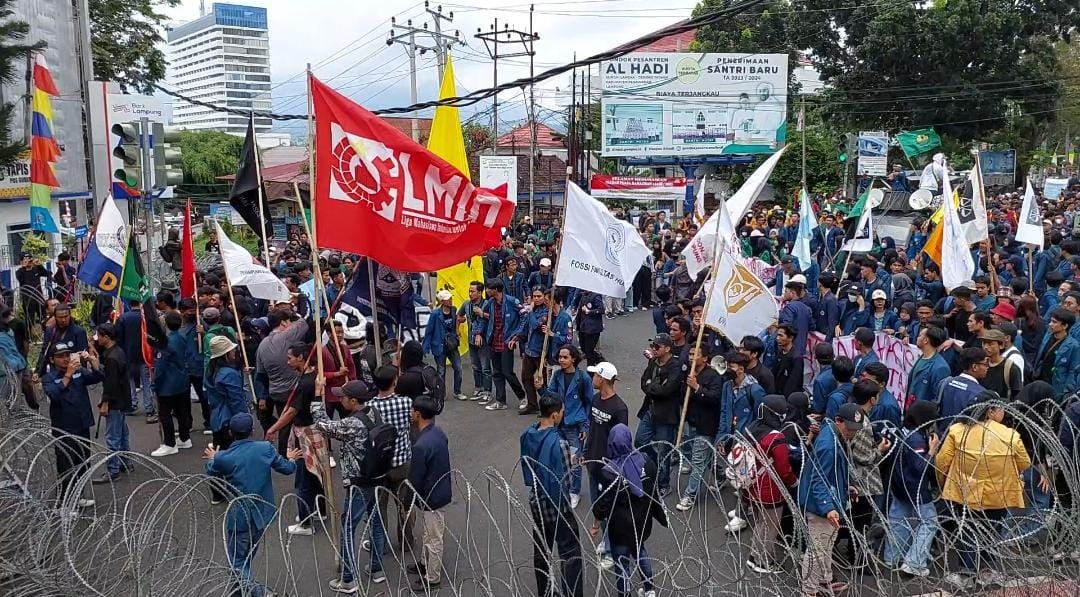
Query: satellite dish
pixel 875 197
pixel 921 199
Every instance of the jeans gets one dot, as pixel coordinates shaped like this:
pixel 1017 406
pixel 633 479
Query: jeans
pixel 455 363
pixel 973 542
pixel 481 367
pixel 359 502
pixel 572 435
pixel 1030 519
pixel 701 456
pixel 309 490
pixel 656 440
pixel 502 373
pixel 116 437
pixel 139 375
pixel 624 567
pixel 911 532
pixel 240 547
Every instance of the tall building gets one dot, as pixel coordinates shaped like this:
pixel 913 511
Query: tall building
pixel 223 57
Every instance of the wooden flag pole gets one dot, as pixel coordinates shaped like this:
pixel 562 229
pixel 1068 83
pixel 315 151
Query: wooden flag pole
pixel 195 277
pixel 551 302
pixel 710 279
pixel 258 179
pixel 324 463
pixel 374 312
pixel 240 337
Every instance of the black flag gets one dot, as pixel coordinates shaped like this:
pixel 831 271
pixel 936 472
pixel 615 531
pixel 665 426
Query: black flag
pixel 244 196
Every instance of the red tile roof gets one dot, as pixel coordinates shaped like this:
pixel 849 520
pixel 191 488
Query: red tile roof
pixel 518 138
pixel 404 124
pixel 549 174
pixel 680 42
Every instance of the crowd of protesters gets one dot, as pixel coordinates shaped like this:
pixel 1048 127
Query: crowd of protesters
pixel 843 455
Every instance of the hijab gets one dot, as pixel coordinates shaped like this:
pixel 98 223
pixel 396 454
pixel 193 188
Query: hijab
pixel 797 417
pixel 770 416
pixel 623 461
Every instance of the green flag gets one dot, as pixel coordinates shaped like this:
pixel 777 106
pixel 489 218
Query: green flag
pixel 133 285
pixel 917 142
pixel 853 216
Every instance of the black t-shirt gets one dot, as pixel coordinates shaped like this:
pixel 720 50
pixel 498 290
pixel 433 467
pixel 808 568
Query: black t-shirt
pixel 305 395
pixel 604 415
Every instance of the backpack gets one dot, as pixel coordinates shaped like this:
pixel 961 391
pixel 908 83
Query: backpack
pixel 378 447
pixel 745 463
pixel 434 386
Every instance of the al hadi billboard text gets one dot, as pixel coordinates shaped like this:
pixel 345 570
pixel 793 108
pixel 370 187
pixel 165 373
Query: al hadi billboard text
pixel 662 104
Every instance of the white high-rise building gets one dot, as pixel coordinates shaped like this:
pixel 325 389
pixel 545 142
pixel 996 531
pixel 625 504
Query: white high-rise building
pixel 223 58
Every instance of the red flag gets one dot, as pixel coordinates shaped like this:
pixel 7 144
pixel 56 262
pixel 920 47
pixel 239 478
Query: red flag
pixel 187 257
pixel 380 194
pixel 145 348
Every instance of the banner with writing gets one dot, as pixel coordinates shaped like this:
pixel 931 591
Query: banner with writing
pixel 897 355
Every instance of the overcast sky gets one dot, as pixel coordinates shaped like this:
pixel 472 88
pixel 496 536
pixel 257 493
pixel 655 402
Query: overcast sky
pixel 346 44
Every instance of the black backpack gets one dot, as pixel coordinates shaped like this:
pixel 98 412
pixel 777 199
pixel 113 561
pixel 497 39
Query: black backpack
pixel 378 447
pixel 434 386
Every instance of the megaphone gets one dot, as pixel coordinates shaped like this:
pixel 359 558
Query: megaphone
pixel 921 199
pixel 875 197
pixel 719 363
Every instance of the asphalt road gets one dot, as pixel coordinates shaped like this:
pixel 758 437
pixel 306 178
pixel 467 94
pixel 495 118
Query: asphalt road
pixel 487 545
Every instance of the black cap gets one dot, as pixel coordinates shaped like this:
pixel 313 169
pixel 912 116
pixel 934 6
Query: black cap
pixel 662 340
pixel 353 389
pixel 787 259
pixel 853 417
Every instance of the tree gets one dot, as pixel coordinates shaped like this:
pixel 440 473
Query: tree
pixel 125 39
pixel 208 155
pixel 13 53
pixel 477 137
pixel 959 65
pixel 823 171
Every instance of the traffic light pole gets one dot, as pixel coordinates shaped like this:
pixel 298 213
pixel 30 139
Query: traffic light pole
pixel 146 161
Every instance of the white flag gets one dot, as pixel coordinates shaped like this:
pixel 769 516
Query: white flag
pixel 243 271
pixel 739 302
pixel 700 250
pixel 973 216
pixel 807 223
pixel 699 204
pixel 599 252
pixel 957 266
pixel 1029 229
pixel 864 233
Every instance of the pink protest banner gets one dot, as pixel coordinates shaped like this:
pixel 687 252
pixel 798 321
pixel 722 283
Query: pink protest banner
pixel 897 355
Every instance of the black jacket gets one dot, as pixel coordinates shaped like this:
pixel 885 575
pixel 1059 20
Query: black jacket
pixel 703 412
pixel 663 387
pixel 788 373
pixel 116 388
pixel 630 517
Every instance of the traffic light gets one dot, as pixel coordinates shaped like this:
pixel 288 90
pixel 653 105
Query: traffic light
pixel 847 145
pixel 128 152
pixel 167 156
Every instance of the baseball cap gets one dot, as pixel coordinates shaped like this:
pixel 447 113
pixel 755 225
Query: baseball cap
pixel 444 295
pixel 211 313
pixel 241 423
pixel 993 335
pixel 1004 310
pixel 604 369
pixel 798 279
pixel 787 259
pixel 662 340
pixel 353 389
pixel 878 294
pixel 852 416
pixel 61 348
pixel 545 262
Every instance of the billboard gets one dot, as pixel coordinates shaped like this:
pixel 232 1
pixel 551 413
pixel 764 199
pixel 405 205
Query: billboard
pixel 873 153
pixel 669 104
pixel 998 167
pixel 500 169
pixel 638 188
pixel 15 178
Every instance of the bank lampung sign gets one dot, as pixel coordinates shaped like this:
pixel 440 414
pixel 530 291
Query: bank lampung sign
pixel 665 104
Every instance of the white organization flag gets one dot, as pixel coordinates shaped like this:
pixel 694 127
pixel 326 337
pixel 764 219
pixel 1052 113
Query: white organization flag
pixel 599 252
pixel 1030 227
pixel 243 271
pixel 957 266
pixel 699 204
pixel 973 214
pixel 807 224
pixel 864 233
pixel 700 250
pixel 739 303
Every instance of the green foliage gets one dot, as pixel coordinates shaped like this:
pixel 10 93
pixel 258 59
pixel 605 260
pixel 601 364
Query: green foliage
pixel 81 311
pixel 822 169
pixel 13 52
pixel 477 137
pixel 960 65
pixel 126 42
pixel 209 154
pixel 36 244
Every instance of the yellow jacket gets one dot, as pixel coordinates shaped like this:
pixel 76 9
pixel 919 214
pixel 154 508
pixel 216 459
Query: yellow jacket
pixel 980 465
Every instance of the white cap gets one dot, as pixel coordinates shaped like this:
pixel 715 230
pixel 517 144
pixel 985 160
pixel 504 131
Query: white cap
pixel 878 294
pixel 798 279
pixel 756 233
pixel 605 370
pixel 444 295
pixel 545 262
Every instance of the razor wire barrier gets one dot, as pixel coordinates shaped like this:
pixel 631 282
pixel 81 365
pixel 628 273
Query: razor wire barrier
pixel 160 535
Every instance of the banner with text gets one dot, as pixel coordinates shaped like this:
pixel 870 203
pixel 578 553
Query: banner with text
pixel 896 354
pixel 647 189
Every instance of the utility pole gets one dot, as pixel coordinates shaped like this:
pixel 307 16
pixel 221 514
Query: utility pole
pixel 442 42
pixel 492 39
pixel 407 38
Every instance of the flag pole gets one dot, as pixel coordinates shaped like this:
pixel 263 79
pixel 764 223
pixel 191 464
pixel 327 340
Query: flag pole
pixel 258 179
pixel 119 306
pixel 323 463
pixel 374 312
pixel 551 300
pixel 710 279
pixel 240 337
pixel 195 277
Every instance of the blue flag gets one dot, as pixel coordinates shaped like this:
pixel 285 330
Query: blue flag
pixel 103 264
pixel 394 295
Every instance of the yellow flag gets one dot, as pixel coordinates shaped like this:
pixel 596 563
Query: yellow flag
pixel 933 242
pixel 448 142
